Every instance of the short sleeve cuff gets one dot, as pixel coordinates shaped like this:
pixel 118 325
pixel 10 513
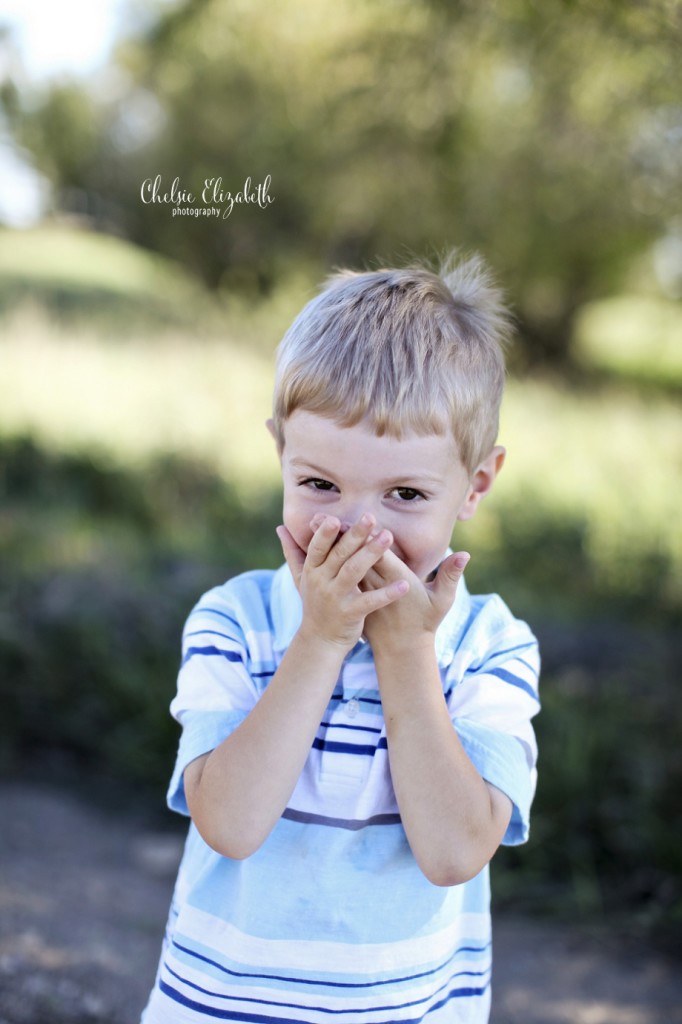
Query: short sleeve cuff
pixel 201 733
pixel 501 760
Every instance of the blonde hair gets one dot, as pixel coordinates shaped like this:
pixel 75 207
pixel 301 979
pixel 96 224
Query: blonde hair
pixel 405 350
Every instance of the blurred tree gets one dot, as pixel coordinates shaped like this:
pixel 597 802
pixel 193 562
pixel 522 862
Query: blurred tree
pixel 546 135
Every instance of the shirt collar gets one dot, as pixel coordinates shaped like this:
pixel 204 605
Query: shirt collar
pixel 451 630
pixel 287 613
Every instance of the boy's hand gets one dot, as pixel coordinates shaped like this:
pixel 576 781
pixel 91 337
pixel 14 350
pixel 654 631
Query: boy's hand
pixel 328 578
pixel 416 618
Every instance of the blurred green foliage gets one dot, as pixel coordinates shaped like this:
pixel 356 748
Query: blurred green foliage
pixel 101 566
pixel 633 337
pixel 605 834
pixel 545 135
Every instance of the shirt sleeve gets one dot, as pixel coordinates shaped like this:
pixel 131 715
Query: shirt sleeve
pixel 491 706
pixel 216 690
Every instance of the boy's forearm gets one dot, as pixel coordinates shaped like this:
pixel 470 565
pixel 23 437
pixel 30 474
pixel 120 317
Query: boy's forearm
pixel 237 793
pixel 453 819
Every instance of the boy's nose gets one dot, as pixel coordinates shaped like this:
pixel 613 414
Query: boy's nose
pixel 347 520
pixel 349 517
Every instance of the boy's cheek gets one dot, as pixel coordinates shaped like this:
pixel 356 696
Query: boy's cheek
pixel 297 524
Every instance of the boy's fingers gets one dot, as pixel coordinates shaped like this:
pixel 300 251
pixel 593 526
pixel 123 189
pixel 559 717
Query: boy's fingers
pixel 333 544
pixel 322 541
pixel 448 576
pixel 354 569
pixel 352 541
pixel 372 600
pixel 385 569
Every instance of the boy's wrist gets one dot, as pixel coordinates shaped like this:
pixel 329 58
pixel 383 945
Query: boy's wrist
pixel 405 674
pixel 400 649
pixel 325 648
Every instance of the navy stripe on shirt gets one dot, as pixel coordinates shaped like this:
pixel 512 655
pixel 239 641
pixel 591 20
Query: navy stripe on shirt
pixel 209 651
pixel 339 984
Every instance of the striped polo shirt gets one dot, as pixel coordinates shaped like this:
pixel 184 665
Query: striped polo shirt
pixel 331 919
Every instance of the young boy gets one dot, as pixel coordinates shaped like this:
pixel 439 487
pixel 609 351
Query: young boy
pixel 356 737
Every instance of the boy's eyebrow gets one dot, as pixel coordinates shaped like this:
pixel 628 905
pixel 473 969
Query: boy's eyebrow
pixel 417 476
pixel 308 465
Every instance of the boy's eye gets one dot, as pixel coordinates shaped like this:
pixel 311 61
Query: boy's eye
pixel 408 493
pixel 317 484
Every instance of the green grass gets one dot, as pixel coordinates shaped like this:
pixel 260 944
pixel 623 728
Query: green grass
pixel 206 398
pixel 633 336
pixel 76 273
pixel 605 465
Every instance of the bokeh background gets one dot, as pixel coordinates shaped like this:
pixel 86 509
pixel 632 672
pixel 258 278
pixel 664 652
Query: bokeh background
pixel 136 367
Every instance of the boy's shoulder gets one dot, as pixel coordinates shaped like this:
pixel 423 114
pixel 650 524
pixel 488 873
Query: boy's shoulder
pixel 490 611
pixel 260 600
pixel 243 586
pixel 246 587
pixel 478 624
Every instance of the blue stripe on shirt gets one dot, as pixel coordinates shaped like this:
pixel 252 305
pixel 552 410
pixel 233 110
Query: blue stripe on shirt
pixel 211 632
pixel 200 610
pixel 209 651
pixel 501 654
pixel 350 824
pixel 338 984
pixel 353 728
pixel 344 748
pixel 509 677
pixel 213 1011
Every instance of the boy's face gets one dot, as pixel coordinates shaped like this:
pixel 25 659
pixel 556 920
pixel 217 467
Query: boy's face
pixel 415 486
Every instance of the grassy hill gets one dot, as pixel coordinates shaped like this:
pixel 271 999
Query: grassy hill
pixel 73 272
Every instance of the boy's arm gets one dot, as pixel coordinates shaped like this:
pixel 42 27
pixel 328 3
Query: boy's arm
pixel 453 819
pixel 237 793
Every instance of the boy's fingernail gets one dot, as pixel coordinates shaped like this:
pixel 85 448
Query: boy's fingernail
pixel 462 561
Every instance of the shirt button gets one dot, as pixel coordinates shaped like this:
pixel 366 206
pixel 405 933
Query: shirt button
pixel 352 708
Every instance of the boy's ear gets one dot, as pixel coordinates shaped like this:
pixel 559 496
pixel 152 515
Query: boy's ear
pixel 482 481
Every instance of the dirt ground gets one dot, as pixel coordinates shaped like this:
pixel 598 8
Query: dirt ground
pixel 83 900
